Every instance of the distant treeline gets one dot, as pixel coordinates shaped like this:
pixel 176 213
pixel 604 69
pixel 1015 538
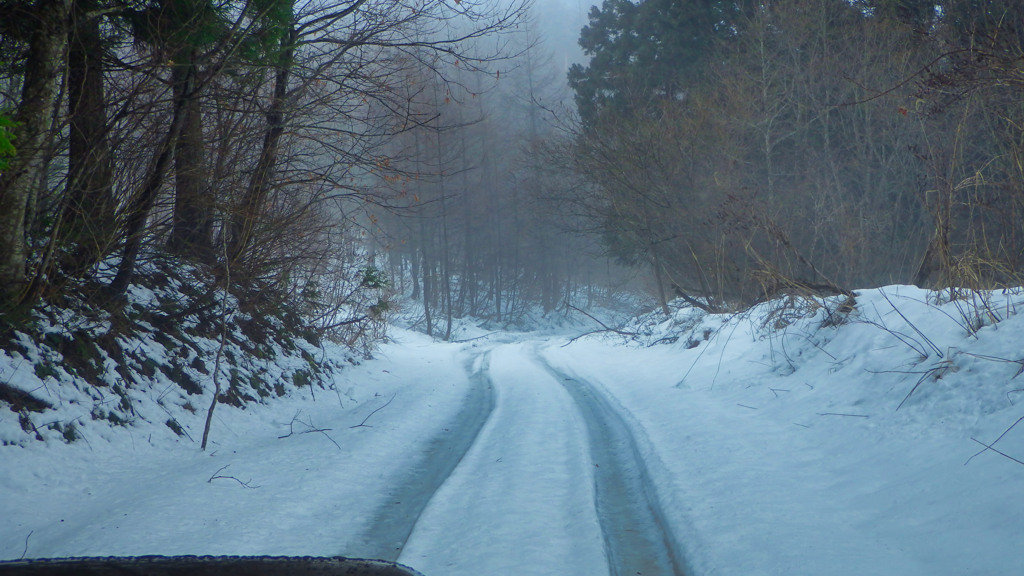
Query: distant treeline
pixel 743 148
pixel 239 135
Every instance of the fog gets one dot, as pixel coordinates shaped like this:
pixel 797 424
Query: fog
pixel 560 22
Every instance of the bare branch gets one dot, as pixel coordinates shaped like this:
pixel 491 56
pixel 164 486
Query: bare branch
pixel 363 423
pixel 218 476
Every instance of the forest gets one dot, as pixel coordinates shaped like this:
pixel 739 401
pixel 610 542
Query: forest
pixel 330 155
pixel 743 150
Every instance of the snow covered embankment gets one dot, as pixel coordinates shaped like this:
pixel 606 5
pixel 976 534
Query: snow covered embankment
pixel 799 440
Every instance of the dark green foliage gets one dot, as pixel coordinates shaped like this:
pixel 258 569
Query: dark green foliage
pixel 301 378
pixel 177 374
pixel 148 367
pixel 235 395
pixel 175 427
pixel 740 149
pixel 7 148
pixel 270 36
pixel 20 400
pixel 166 341
pixel 178 23
pixel 125 404
pixel 380 308
pixel 112 417
pixel 199 366
pixel 646 52
pixel 257 383
pixel 25 421
pixel 374 278
pixel 67 431
pixel 46 370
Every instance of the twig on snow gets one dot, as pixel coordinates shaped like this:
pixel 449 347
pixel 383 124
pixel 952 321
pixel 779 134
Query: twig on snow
pixel 363 424
pixel 25 551
pixel 605 327
pixel 217 475
pixel 472 339
pixel 1017 391
pixel 1019 363
pixel 311 428
pixel 990 446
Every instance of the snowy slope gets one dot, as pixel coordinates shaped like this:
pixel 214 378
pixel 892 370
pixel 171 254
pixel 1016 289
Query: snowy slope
pixel 784 440
pixel 782 450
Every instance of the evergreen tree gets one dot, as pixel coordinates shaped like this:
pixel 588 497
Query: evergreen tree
pixel 644 52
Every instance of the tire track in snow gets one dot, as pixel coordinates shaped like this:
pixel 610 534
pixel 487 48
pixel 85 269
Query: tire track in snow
pixel 522 500
pixel 638 540
pixel 393 522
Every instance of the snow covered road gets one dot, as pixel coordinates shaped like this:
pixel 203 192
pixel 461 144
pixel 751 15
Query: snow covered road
pixel 753 452
pixel 638 539
pixel 394 520
pixel 522 499
pixel 555 478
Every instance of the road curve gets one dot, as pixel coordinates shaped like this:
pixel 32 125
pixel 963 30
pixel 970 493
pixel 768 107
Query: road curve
pixel 393 522
pixel 638 540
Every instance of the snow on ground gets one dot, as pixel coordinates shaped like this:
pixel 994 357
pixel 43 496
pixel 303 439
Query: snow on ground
pixel 142 491
pixel 527 494
pixel 783 452
pixel 784 440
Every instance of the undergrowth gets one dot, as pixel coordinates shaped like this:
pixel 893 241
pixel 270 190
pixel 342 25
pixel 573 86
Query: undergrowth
pixel 76 365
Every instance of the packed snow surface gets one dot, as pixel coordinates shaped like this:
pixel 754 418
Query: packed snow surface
pixel 799 437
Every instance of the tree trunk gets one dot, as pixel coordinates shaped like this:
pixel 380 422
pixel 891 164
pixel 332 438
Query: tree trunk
pixel 88 218
pixel 21 182
pixel 445 250
pixel 142 205
pixel 191 228
pixel 414 262
pixel 662 297
pixel 244 220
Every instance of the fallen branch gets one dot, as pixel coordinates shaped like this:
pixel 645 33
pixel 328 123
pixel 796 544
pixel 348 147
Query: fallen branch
pixel 25 551
pixel 605 327
pixel 217 475
pixel 575 338
pixel 311 428
pixel 472 339
pixel 1019 363
pixel 324 432
pixel 1017 391
pixel 990 446
pixel 363 424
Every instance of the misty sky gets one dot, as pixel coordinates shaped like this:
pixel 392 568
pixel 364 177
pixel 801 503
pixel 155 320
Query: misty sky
pixel 560 22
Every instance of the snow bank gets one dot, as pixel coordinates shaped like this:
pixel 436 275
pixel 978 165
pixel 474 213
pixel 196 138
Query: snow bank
pixel 798 438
